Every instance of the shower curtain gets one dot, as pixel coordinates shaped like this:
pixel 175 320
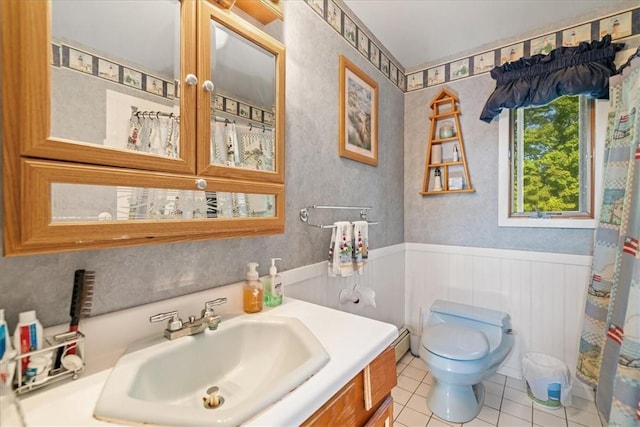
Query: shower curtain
pixel 609 355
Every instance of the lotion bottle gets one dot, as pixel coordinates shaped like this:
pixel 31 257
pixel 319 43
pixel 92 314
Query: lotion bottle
pixel 456 155
pixel 274 287
pixel 252 290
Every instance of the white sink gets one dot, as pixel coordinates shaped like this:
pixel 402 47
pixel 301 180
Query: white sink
pixel 254 361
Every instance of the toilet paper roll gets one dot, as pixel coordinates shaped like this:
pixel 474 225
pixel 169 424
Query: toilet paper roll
pixel 360 295
pixel 366 296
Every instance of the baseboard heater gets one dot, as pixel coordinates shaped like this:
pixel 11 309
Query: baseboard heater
pixel 402 344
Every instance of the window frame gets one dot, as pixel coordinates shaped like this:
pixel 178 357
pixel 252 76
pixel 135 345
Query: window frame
pixel 506 219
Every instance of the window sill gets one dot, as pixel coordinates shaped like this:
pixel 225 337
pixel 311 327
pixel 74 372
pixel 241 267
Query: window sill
pixel 587 223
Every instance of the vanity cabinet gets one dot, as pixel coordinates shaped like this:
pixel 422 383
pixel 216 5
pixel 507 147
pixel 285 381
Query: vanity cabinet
pixel 365 400
pixel 118 134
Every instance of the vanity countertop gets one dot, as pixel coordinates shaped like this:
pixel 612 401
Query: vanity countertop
pixel 352 342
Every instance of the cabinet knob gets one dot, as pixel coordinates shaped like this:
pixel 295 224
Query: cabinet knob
pixel 191 80
pixel 208 86
pixel 201 184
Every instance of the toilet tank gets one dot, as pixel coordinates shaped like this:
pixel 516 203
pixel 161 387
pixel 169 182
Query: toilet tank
pixel 478 314
pixel 490 322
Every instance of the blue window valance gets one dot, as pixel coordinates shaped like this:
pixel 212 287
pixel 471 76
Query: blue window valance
pixel 581 70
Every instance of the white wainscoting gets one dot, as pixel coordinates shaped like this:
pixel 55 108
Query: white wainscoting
pixel 384 273
pixel 543 292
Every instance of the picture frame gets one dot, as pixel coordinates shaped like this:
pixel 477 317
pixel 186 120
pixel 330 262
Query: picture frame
pixel 244 110
pixel 349 31
pixel 484 62
pixel 459 69
pixel 358 107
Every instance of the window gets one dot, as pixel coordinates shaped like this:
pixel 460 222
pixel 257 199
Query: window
pixel 547 167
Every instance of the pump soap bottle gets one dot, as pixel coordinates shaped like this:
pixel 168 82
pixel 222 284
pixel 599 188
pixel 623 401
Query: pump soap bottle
pixel 252 290
pixel 273 288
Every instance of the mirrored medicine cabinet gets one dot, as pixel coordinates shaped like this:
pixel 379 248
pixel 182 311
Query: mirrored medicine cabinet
pixel 118 133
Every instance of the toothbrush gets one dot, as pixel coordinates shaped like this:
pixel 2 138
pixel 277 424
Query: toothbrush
pixel 81 301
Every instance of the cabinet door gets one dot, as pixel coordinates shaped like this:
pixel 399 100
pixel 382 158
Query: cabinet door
pixel 100 82
pixel 383 417
pixel 75 205
pixel 241 106
pixel 379 378
pixel 339 411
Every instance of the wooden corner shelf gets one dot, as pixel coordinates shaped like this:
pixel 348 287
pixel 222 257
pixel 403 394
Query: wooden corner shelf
pixel 445 170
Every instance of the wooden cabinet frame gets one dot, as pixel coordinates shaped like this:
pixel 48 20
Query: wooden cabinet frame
pixel 32 159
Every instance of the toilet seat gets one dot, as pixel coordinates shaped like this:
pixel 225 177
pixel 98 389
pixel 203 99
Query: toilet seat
pixel 455 342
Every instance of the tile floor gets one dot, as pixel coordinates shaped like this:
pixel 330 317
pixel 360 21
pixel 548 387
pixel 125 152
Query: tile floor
pixel 506 403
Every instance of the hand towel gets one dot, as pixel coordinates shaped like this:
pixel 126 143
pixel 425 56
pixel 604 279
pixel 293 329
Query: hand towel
pixel 340 251
pixel 218 143
pixel 360 245
pixel 231 139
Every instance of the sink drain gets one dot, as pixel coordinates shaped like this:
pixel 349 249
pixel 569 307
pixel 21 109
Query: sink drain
pixel 212 400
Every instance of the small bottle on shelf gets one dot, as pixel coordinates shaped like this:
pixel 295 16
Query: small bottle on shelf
pixel 437 185
pixel 456 155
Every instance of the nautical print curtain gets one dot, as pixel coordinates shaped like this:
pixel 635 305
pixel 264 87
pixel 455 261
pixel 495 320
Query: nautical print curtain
pixel 609 358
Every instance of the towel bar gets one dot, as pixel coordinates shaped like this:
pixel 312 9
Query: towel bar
pixel 305 212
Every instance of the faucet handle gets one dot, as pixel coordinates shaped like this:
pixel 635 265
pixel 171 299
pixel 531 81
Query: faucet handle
pixel 208 306
pixel 174 323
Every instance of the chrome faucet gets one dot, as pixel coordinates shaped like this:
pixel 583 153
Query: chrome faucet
pixel 176 328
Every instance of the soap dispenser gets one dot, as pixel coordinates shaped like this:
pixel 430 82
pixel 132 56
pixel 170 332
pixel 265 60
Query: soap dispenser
pixel 252 290
pixel 273 287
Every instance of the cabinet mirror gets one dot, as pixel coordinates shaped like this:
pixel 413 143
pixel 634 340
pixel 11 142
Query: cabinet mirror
pixel 246 105
pixel 242 111
pixel 113 78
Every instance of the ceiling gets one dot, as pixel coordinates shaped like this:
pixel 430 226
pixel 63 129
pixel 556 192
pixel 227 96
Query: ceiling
pixel 419 33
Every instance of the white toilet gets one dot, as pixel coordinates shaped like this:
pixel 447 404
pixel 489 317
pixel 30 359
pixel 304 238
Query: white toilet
pixel 461 346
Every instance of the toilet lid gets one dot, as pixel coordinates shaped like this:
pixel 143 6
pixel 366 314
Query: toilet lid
pixel 455 342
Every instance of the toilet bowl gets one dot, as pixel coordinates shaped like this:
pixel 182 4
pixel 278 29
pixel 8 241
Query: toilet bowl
pixel 462 345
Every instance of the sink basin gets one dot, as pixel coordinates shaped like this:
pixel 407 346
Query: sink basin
pixel 253 362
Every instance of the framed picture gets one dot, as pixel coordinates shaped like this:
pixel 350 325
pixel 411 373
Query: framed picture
pixel 618 26
pixel 231 106
pixel 334 16
pixel 573 36
pixel 435 76
pixel 349 31
pixel 484 62
pixel 153 85
pixel 416 80
pixel 384 64
pixel 459 69
pixel 393 72
pixel 108 70
pixel 244 110
pixel 358 114
pixel 363 43
pixel 132 78
pixel 218 103
pixel 543 45
pixel 511 53
pixel 256 114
